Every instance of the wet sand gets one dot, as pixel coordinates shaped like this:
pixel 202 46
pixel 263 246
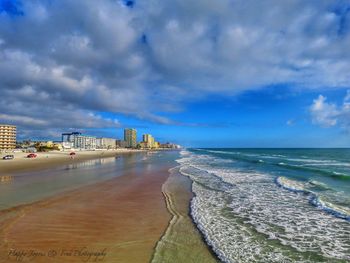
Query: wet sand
pixel 182 242
pixel 119 220
pixel 48 160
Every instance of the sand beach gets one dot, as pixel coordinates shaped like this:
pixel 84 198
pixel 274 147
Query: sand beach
pixel 124 217
pixel 47 160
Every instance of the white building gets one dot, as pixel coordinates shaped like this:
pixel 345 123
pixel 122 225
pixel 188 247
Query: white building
pixel 78 141
pixel 106 143
pixel 85 142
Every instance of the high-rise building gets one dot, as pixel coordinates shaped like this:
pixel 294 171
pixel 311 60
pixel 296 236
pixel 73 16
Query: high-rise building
pixel 7 136
pixel 148 140
pixel 130 138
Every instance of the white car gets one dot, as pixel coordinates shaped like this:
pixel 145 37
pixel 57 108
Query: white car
pixel 8 157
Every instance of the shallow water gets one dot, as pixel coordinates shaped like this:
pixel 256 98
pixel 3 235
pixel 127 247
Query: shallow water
pixel 270 205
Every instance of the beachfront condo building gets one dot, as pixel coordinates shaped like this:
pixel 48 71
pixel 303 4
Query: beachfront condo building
pixel 105 143
pixel 148 140
pixel 130 138
pixel 7 136
pixel 77 140
pixel 85 142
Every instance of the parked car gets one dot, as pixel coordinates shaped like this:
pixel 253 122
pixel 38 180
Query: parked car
pixel 72 153
pixel 8 157
pixel 31 155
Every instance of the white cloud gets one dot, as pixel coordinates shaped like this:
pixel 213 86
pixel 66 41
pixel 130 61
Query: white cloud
pixel 156 56
pixel 324 113
pixel 329 114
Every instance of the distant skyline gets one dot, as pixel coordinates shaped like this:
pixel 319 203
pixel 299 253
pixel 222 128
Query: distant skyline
pixel 197 73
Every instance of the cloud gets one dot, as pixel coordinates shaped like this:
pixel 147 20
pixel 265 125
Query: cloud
pixel 62 60
pixel 24 120
pixel 329 114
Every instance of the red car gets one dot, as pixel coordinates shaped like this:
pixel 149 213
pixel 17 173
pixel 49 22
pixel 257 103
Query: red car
pixel 31 155
pixel 72 153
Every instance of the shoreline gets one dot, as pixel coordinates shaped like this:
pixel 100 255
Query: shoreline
pixel 182 241
pixel 168 213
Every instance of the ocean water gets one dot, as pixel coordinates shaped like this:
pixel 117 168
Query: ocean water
pixel 272 205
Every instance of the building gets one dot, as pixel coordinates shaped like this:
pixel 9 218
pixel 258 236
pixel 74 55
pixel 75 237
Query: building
pixel 85 142
pixel 120 143
pixel 68 139
pixel 156 145
pixel 169 145
pixel 69 136
pixel 130 138
pixel 7 136
pixel 148 141
pixel 78 141
pixel 105 143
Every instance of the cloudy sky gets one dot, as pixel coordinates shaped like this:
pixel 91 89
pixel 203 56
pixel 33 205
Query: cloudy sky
pixel 236 73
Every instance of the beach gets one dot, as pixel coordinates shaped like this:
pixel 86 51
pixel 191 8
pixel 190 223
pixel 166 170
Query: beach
pixel 182 241
pixel 122 215
pixel 53 158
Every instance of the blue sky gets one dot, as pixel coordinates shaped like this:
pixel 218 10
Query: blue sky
pixel 199 73
pixel 264 118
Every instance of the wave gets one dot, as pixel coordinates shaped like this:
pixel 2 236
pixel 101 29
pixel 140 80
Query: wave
pixel 334 174
pixel 315 199
pixel 233 217
pixel 308 160
pixel 291 185
pixel 319 185
pixel 336 210
pixel 308 165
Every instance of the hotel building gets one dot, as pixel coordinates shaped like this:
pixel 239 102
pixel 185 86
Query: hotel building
pixel 7 136
pixel 130 138
pixel 78 141
pixel 148 140
pixel 105 143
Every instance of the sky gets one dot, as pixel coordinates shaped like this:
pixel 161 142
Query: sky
pixel 200 73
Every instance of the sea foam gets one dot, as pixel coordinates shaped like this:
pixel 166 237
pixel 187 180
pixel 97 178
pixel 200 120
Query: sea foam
pixel 236 210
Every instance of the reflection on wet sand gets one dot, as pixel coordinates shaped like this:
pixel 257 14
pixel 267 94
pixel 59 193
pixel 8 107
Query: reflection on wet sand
pixel 36 185
pixel 123 216
pixel 6 179
pixel 90 163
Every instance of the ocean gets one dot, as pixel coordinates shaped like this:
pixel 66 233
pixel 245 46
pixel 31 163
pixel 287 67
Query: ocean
pixel 271 205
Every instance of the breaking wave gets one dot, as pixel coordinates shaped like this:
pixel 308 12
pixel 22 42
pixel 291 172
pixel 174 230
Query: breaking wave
pixel 249 216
